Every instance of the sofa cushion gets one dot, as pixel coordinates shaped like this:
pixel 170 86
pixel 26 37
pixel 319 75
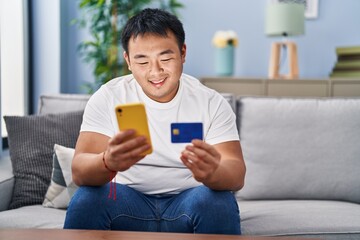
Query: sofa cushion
pixel 31 142
pixel 60 103
pixel 35 216
pixel 300 148
pixel 61 188
pixel 306 218
pixel 6 182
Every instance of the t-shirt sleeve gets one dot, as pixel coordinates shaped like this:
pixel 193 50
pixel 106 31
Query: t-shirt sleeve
pixel 97 115
pixel 223 122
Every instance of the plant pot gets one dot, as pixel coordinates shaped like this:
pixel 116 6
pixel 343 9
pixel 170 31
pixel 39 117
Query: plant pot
pixel 224 61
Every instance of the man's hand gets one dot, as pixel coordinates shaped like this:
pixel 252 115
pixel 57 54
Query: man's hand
pixel 123 151
pixel 220 166
pixel 202 159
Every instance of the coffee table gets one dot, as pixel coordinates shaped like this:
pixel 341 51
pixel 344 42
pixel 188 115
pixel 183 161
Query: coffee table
pixel 60 234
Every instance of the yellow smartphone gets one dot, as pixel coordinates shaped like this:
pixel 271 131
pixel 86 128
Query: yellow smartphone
pixel 133 116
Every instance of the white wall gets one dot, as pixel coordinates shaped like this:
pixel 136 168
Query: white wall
pixel 13 50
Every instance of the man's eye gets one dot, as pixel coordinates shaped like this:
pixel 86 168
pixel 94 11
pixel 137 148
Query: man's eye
pixel 166 60
pixel 143 63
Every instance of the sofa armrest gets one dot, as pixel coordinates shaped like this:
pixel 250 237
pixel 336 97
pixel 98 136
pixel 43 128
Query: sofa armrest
pixel 6 182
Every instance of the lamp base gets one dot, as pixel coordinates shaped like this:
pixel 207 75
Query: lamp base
pixel 274 65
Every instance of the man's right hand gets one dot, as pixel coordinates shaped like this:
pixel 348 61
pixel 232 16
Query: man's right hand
pixel 124 150
pixel 121 152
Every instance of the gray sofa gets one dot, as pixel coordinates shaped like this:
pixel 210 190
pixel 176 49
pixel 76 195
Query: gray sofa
pixel 303 164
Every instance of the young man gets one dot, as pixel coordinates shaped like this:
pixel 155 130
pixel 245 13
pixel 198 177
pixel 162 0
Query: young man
pixel 179 187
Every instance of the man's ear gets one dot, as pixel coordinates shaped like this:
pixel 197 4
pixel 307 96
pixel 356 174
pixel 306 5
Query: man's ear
pixel 127 59
pixel 183 53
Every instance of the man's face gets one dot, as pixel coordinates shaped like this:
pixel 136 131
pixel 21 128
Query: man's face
pixel 156 63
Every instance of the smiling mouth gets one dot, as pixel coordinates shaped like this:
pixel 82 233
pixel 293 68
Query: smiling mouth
pixel 158 82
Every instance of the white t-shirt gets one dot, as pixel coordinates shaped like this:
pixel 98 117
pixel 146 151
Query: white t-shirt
pixel 162 172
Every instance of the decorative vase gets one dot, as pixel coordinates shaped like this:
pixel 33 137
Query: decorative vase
pixel 224 61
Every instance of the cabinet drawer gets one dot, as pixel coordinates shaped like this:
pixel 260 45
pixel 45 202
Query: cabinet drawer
pixel 345 88
pixel 297 88
pixel 254 87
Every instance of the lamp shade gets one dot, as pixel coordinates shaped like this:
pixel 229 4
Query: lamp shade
pixel 285 19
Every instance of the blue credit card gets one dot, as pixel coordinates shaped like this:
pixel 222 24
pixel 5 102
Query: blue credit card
pixel 186 132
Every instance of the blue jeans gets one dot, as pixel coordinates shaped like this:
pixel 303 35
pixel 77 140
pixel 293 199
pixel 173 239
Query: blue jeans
pixel 196 210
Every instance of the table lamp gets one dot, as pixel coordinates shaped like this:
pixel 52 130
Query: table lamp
pixel 284 19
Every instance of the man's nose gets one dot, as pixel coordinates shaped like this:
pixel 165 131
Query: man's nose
pixel 156 68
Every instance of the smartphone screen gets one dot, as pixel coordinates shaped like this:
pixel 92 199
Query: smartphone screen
pixel 133 116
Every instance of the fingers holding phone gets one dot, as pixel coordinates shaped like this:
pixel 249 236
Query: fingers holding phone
pixel 133 142
pixel 133 116
pixel 125 149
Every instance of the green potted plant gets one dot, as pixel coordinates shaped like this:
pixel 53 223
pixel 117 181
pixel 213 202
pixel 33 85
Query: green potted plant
pixel 106 19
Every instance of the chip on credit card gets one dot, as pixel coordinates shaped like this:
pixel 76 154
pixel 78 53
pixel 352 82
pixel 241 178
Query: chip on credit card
pixel 186 132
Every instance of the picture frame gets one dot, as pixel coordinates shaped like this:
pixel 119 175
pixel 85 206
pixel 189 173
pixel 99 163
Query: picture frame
pixel 311 6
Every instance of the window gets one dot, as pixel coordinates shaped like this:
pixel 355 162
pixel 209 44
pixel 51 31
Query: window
pixel 13 60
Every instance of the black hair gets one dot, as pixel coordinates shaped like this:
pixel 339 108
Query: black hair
pixel 152 20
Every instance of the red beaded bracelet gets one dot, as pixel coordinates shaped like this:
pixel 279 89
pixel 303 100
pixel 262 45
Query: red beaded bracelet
pixel 103 158
pixel 112 180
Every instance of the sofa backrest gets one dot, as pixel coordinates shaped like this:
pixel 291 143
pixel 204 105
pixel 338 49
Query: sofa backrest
pixel 60 103
pixel 300 148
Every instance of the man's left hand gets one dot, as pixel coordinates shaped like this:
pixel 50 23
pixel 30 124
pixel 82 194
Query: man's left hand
pixel 202 159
